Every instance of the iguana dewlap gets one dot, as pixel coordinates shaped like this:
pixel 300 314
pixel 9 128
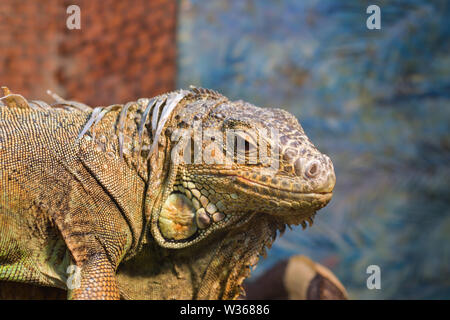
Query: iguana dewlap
pixel 207 181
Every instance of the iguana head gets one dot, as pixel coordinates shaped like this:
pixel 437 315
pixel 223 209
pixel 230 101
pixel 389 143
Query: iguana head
pixel 228 173
pixel 232 162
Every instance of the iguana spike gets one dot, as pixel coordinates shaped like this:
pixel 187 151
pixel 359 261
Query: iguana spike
pixel 264 253
pixel 55 97
pixel 282 229
pixel 40 104
pixel 172 102
pixel 242 291
pixel 147 110
pixel 100 117
pixel 122 116
pixel 13 100
pixel 78 105
pixel 200 90
pixel 155 115
pixel 88 125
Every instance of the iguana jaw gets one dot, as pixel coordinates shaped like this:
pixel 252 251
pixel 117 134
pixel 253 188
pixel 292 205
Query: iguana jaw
pixel 178 223
pixel 286 192
pixel 270 199
pixel 282 201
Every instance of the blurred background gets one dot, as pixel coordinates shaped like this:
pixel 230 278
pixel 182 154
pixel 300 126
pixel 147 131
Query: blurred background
pixel 376 101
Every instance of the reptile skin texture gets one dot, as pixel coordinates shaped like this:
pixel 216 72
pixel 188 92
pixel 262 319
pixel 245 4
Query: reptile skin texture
pixel 111 202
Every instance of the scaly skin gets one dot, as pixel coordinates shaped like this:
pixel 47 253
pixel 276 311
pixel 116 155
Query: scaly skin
pixel 106 187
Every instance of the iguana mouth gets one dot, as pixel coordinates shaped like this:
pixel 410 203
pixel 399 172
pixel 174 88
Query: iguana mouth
pixel 276 197
pixel 285 203
pixel 279 191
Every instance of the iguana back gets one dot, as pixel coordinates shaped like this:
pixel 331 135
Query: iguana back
pixel 60 203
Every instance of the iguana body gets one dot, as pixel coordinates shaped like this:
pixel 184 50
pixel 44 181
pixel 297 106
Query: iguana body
pixel 92 188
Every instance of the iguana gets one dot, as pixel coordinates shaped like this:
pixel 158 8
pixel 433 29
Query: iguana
pixel 184 190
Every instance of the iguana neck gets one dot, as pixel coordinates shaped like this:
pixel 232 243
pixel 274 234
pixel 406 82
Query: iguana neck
pixel 118 136
pixel 116 143
pixel 213 269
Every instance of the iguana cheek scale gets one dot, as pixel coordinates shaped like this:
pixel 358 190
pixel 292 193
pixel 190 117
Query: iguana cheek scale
pixel 93 187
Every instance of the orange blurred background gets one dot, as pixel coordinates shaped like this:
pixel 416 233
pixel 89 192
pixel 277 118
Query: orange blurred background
pixel 124 49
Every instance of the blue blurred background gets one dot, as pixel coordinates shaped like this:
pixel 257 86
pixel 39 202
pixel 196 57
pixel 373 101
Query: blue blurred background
pixel 376 101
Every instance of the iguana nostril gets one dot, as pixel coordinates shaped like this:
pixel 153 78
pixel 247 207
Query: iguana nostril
pixel 312 169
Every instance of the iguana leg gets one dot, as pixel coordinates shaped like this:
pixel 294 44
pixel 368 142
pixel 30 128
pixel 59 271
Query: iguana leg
pixel 97 281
